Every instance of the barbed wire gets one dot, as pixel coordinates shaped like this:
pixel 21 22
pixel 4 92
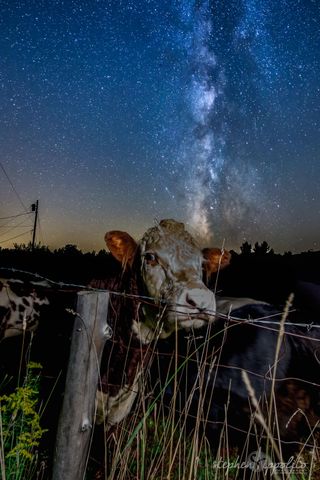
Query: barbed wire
pixel 12 227
pixel 261 321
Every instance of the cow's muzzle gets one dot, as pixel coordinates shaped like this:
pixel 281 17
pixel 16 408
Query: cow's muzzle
pixel 192 307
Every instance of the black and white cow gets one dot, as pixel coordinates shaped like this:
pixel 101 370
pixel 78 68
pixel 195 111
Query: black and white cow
pixel 21 303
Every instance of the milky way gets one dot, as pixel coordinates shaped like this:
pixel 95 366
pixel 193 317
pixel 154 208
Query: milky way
pixel 116 114
pixel 202 152
pixel 225 189
pixel 218 191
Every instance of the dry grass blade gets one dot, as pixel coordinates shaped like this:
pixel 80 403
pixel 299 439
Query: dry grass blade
pixel 259 416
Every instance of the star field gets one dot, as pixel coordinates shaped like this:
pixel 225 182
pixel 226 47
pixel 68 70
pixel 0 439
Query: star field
pixel 114 114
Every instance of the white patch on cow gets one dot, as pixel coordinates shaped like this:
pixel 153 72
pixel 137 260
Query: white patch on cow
pixel 116 408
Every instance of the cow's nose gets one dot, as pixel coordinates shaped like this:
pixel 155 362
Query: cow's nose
pixel 199 298
pixel 190 301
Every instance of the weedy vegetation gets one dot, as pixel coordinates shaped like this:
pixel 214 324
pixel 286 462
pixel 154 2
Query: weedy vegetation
pixel 20 428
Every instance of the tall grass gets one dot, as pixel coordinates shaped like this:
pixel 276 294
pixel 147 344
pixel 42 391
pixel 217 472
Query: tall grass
pixel 156 442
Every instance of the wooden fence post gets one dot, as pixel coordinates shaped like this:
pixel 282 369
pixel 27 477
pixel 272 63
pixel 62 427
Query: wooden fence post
pixel 77 414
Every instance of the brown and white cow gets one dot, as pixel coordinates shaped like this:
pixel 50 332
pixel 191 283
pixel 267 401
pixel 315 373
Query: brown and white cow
pixel 166 267
pixel 171 266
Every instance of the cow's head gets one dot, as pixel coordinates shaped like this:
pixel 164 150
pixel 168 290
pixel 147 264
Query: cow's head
pixel 171 268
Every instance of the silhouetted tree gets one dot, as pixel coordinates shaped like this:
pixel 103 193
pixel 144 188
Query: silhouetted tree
pixel 246 248
pixel 263 249
pixel 69 249
pixel 22 247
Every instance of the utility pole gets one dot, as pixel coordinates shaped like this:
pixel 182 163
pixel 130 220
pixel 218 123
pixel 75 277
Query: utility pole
pixel 34 208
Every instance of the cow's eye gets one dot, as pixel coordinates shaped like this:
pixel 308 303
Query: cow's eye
pixel 150 258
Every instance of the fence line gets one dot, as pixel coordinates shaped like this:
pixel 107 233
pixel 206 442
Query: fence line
pixel 260 321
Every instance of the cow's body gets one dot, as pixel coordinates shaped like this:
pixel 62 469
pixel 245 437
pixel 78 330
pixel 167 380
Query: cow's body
pixel 205 367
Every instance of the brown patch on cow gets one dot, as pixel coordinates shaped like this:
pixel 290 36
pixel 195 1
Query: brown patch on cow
pixel 215 260
pixel 26 302
pixel 122 246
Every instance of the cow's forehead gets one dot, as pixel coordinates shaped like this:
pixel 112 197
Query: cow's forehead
pixel 170 237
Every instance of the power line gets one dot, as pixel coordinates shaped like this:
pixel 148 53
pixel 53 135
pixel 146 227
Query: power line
pixel 7 224
pixel 20 225
pixel 20 235
pixel 15 216
pixel 13 187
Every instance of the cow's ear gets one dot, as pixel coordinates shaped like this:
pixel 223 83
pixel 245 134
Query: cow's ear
pixel 215 259
pixel 122 246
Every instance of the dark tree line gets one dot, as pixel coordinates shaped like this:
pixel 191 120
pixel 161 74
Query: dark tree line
pixel 257 271
pixel 262 248
pixel 66 264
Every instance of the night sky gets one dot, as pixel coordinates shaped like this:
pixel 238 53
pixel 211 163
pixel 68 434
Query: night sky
pixel 115 114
